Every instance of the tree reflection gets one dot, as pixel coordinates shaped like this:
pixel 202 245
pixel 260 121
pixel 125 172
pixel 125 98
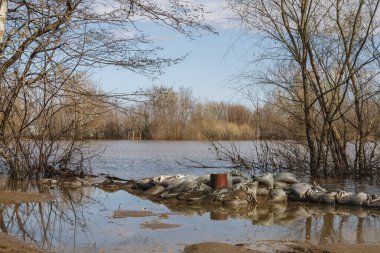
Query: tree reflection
pixel 316 223
pixel 359 229
pixel 46 223
pixel 50 225
pixel 327 231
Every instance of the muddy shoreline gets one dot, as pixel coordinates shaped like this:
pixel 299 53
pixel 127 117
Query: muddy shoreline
pixel 11 244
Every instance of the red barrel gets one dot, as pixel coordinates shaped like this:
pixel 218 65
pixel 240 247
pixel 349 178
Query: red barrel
pixel 218 216
pixel 219 180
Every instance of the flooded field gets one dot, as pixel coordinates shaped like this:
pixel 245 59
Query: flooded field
pixel 90 219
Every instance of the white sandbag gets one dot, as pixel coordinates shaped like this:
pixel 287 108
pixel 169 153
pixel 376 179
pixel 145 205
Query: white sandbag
pixel 183 184
pixel 281 185
pixel 285 177
pixel 155 190
pixel 353 199
pixel 374 202
pixel 238 180
pixel 327 198
pixel 261 191
pixel 203 179
pixel 266 180
pixel 298 191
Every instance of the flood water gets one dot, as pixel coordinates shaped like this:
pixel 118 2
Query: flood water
pixel 140 159
pixel 82 220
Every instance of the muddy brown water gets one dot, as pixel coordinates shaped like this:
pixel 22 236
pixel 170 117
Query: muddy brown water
pixel 82 220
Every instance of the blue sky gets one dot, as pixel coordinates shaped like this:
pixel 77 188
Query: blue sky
pixel 211 62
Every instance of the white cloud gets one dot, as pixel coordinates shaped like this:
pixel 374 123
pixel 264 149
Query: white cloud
pixel 218 14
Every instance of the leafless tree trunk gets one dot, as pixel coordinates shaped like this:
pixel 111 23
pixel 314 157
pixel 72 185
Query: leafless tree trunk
pixel 330 46
pixel 44 45
pixel 3 18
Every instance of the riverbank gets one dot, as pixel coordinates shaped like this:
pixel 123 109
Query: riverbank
pixel 9 244
pixel 282 247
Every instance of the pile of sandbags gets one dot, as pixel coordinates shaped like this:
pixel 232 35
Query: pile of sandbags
pixel 277 186
pixel 243 190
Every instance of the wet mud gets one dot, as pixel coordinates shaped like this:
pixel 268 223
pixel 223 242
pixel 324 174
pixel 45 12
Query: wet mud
pixel 9 244
pixel 294 247
pixel 13 197
pixel 119 214
pixel 208 247
pixel 156 224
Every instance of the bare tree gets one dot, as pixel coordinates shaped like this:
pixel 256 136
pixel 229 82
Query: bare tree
pixel 44 43
pixel 329 52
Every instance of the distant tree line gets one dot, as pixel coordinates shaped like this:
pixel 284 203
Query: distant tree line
pixel 164 113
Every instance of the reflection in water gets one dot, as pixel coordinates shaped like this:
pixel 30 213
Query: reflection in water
pixel 45 224
pixel 73 222
pixel 81 220
pixel 320 224
pixel 214 215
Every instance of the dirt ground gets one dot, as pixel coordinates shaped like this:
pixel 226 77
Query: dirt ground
pixel 119 214
pixel 294 247
pixel 336 248
pixel 153 225
pixel 210 247
pixel 12 197
pixel 10 244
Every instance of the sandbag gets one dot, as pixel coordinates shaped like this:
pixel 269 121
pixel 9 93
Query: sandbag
pixel 144 184
pixel 298 191
pixel 238 180
pixel 281 185
pixel 155 190
pixel 239 186
pixel 165 181
pixel 183 184
pixel 238 173
pixel 203 179
pixel 285 177
pixel 251 191
pixel 253 186
pixel 353 199
pixel 374 202
pixel 323 197
pixel 166 194
pixel 261 191
pixel 266 180
pixel 202 187
pixel 220 191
